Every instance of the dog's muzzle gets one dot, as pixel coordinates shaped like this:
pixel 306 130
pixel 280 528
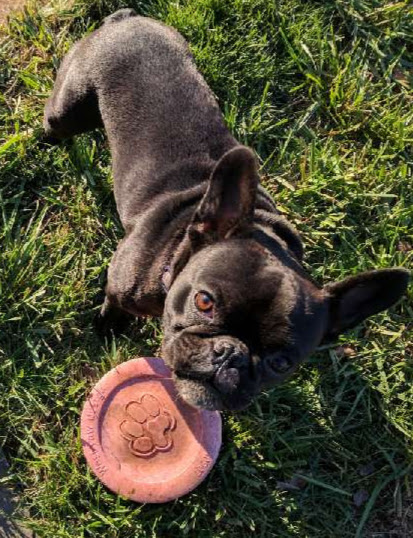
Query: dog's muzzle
pixel 223 366
pixel 216 372
pixel 232 365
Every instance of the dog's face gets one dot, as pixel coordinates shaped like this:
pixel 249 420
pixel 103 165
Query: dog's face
pixel 236 319
pixel 239 317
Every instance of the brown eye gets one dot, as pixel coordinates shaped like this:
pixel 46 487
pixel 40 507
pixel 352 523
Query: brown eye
pixel 204 302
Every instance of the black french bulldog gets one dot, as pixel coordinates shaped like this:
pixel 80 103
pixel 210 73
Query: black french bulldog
pixel 204 244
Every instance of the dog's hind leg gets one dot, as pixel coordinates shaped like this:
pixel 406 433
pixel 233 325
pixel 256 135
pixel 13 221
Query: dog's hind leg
pixel 73 106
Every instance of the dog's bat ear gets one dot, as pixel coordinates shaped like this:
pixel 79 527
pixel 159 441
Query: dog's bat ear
pixel 229 201
pixel 356 298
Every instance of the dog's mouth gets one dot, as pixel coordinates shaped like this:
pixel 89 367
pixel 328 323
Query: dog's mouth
pixel 200 394
pixel 220 391
pixel 211 372
pixel 204 395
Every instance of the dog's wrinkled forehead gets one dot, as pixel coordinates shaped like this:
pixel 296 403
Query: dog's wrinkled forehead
pixel 232 265
pixel 230 262
pixel 245 283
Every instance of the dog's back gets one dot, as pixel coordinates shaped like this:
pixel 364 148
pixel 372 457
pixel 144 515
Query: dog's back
pixel 157 110
pixel 150 91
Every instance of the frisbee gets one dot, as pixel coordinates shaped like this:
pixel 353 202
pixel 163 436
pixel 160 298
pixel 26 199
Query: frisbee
pixel 141 439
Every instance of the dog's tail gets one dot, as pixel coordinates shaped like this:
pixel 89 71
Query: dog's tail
pixel 119 15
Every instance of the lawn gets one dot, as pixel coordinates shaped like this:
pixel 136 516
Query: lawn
pixel 322 91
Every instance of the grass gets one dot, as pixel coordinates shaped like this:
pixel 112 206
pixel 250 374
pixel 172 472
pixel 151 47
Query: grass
pixel 322 91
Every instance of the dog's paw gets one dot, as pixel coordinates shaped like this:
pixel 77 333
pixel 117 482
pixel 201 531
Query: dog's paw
pixel 46 140
pixel 109 324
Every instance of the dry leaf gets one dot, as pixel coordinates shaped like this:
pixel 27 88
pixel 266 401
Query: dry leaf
pixel 345 351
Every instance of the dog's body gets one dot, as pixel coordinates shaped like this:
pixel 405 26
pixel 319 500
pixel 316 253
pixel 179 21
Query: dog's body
pixel 163 144
pixel 239 311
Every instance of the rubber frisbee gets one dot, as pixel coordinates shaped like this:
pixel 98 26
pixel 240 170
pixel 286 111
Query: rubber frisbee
pixel 141 440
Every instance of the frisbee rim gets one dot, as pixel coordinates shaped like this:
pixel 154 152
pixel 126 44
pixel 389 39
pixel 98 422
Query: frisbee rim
pixel 144 492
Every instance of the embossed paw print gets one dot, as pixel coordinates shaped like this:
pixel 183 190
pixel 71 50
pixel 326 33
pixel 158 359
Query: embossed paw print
pixel 148 426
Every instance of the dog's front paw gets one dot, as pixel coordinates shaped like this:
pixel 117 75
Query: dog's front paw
pixel 109 324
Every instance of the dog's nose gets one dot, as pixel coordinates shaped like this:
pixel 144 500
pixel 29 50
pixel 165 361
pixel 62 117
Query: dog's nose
pixel 231 363
pixel 221 353
pixel 230 354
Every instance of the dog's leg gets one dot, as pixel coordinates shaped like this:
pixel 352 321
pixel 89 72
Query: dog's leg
pixel 73 106
pixel 118 309
pixel 112 320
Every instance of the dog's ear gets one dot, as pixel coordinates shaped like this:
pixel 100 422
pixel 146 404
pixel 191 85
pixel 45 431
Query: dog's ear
pixel 229 201
pixel 354 299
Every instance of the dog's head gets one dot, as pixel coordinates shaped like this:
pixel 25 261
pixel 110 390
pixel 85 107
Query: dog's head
pixel 240 313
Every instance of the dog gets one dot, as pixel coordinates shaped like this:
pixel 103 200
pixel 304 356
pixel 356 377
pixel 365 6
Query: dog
pixel 204 244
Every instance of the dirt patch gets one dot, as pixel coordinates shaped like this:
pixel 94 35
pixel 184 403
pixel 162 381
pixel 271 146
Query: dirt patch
pixel 8 501
pixel 6 6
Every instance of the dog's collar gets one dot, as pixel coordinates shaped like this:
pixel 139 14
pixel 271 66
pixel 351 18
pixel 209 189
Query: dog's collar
pixel 166 278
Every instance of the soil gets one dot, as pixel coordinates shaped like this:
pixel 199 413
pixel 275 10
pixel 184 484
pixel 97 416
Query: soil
pixel 9 5
pixel 8 501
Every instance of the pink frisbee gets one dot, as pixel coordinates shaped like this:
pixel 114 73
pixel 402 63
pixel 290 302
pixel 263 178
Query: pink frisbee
pixel 141 440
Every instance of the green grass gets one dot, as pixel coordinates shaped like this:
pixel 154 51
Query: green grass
pixel 322 91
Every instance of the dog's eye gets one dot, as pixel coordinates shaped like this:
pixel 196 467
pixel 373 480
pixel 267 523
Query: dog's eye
pixel 204 302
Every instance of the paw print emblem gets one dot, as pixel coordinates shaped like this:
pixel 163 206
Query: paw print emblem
pixel 148 426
